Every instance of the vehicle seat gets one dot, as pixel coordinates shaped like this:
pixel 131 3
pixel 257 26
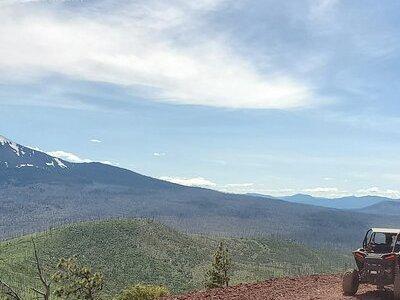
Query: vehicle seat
pixel 381 248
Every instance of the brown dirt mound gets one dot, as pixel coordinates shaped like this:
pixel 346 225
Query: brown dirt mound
pixel 326 287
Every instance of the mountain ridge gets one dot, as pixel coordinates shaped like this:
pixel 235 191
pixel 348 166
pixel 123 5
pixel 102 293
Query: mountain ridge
pixel 382 208
pixel 346 202
pixel 35 199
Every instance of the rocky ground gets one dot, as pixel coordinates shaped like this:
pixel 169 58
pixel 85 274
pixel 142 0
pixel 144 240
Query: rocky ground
pixel 326 287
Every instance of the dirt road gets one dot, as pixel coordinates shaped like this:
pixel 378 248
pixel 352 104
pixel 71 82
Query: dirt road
pixel 321 287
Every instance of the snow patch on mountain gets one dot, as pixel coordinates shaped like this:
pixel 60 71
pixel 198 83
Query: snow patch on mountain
pixel 16 149
pixel 4 140
pixel 13 155
pixel 24 165
pixel 14 146
pixel 60 163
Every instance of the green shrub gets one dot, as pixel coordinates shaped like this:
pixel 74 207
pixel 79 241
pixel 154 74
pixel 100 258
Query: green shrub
pixel 143 292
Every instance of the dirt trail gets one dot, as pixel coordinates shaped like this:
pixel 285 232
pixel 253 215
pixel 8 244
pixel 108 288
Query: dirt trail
pixel 321 287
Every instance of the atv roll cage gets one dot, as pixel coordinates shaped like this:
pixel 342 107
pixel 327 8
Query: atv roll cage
pixel 369 242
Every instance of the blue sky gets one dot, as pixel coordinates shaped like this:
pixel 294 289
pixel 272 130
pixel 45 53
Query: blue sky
pixel 275 97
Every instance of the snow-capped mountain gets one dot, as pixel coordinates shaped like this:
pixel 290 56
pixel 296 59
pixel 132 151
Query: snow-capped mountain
pixel 23 165
pixel 13 155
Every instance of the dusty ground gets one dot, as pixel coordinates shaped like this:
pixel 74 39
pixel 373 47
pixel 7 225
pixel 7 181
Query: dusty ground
pixel 327 287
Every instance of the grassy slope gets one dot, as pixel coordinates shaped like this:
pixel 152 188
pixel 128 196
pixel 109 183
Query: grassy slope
pixel 131 251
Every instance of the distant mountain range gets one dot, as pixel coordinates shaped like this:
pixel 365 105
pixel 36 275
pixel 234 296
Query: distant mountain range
pixel 382 208
pixel 349 202
pixel 38 191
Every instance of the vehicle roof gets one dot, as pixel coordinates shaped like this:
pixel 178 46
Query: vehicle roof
pixel 386 230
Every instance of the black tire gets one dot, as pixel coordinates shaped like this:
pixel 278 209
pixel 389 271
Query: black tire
pixel 396 287
pixel 351 282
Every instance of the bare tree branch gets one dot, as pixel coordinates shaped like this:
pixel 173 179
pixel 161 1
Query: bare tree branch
pixel 38 292
pixel 7 290
pixel 46 284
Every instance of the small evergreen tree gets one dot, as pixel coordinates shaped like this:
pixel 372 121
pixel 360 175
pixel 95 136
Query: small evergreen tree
pixel 218 274
pixel 76 282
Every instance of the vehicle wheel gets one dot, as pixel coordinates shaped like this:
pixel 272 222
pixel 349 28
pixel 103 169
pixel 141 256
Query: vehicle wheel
pixel 396 287
pixel 350 283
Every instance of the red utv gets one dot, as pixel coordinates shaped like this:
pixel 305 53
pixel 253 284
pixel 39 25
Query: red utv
pixel 377 262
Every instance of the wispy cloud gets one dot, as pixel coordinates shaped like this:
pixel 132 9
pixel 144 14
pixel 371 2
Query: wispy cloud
pixel 68 156
pixel 195 181
pixel 377 191
pixel 240 185
pixel 321 190
pixel 165 47
pixel 107 162
pixel 95 141
pixel 335 192
pixel 331 192
pixel 159 154
pixel 71 157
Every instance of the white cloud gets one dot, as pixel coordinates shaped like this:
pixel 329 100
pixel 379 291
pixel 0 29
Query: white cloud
pixel 158 154
pixel 238 188
pixel 331 192
pixel 239 185
pixel 376 191
pixel 166 48
pixel 277 192
pixel 95 141
pixel 196 181
pixel 71 157
pixel 107 162
pixel 335 192
pixel 68 156
pixel 321 190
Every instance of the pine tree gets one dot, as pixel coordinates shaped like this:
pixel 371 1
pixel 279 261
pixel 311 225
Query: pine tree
pixel 218 275
pixel 76 282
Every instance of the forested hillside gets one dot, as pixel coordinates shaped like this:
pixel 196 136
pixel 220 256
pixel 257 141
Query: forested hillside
pixel 132 251
pixel 30 208
pixel 38 191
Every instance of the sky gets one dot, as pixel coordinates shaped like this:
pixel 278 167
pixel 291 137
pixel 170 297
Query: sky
pixel 272 97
